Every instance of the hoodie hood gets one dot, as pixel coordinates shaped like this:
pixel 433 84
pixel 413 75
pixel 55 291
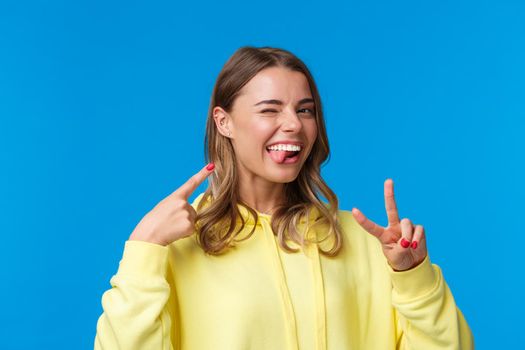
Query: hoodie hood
pixel 312 216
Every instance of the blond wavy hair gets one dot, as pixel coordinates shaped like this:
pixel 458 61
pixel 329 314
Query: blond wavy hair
pixel 217 212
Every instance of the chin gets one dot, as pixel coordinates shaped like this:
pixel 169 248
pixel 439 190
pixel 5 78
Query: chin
pixel 283 177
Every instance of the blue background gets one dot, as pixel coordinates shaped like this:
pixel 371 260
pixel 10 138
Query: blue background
pixel 102 114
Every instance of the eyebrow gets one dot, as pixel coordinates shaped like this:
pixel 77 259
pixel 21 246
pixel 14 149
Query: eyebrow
pixel 280 103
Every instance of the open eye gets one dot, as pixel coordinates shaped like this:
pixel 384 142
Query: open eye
pixel 308 111
pixel 311 110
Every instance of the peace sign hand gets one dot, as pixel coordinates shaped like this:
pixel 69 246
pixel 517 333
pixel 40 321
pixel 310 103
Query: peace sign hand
pixel 404 244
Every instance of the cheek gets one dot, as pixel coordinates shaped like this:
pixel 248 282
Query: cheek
pixel 311 130
pixel 258 134
pixel 311 134
pixel 254 137
pixel 260 129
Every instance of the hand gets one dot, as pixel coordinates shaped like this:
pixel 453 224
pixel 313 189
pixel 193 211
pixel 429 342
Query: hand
pixel 173 217
pixel 404 244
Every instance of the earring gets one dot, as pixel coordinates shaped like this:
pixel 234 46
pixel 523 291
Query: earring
pixel 222 123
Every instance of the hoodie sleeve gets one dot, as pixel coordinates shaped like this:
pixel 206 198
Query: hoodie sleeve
pixel 135 314
pixel 425 311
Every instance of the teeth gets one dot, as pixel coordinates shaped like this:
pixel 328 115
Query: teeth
pixel 282 147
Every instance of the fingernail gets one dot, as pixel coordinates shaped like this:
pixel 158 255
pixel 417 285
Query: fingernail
pixel 404 243
pixel 414 245
pixel 210 167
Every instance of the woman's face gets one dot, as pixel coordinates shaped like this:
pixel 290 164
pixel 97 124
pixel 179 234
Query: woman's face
pixel 255 123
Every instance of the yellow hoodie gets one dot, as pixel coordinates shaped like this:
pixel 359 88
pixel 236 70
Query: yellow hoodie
pixel 257 296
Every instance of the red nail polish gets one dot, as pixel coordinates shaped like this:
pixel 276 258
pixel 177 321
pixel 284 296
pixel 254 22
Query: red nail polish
pixel 210 167
pixel 414 244
pixel 404 243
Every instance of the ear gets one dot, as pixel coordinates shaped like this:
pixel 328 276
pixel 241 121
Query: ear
pixel 222 121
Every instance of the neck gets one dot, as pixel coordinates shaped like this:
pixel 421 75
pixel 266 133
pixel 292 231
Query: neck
pixel 260 194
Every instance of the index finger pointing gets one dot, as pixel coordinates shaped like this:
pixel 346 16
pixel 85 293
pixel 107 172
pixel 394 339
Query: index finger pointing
pixel 191 185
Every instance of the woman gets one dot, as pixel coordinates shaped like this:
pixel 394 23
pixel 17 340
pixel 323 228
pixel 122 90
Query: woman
pixel 258 261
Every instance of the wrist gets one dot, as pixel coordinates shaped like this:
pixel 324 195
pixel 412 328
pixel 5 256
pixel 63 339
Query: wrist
pixel 407 269
pixel 150 238
pixel 412 283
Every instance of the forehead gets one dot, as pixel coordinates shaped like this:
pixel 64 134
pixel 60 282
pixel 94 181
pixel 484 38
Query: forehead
pixel 276 83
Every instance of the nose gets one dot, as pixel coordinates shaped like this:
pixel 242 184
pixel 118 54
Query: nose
pixel 291 122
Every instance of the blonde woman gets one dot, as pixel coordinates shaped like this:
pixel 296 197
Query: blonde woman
pixel 258 261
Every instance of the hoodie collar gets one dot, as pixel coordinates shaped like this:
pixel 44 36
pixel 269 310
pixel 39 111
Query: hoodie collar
pixel 313 213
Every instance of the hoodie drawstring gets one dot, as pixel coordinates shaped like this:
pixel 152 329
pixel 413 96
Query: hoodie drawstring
pixel 285 293
pixel 319 297
pixel 313 256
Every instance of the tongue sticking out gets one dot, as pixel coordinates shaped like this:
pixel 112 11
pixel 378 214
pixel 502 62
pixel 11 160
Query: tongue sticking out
pixel 279 156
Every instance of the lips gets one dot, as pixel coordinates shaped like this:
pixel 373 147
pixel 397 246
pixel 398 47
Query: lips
pixel 282 156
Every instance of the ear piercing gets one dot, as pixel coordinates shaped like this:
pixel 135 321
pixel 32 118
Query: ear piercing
pixel 229 132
